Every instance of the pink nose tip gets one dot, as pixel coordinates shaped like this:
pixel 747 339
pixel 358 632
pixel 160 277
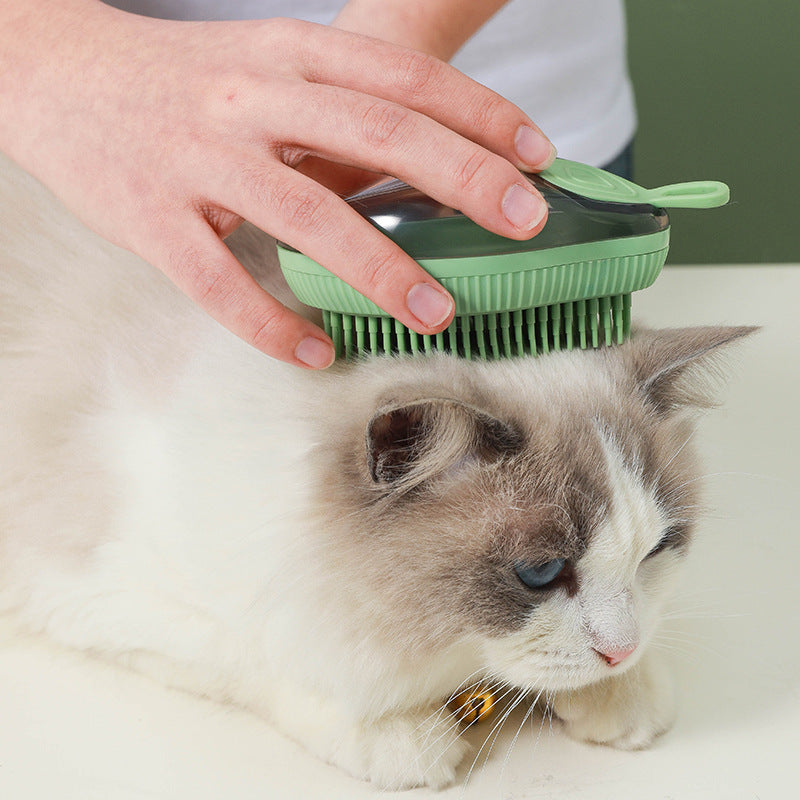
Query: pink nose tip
pixel 614 657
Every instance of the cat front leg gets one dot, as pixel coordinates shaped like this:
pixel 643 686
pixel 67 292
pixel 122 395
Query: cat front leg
pixel 627 711
pixel 419 747
pixel 401 751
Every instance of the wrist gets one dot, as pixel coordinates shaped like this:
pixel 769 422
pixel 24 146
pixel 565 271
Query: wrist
pixel 436 27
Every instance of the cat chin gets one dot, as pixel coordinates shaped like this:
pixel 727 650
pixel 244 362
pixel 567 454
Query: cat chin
pixel 562 678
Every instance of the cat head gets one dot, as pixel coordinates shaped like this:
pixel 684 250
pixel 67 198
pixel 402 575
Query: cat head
pixel 534 510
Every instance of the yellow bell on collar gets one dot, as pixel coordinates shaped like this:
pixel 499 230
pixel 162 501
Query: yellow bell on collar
pixel 472 705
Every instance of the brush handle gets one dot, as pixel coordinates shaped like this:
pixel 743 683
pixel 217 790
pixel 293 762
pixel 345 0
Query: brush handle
pixel 597 184
pixel 694 194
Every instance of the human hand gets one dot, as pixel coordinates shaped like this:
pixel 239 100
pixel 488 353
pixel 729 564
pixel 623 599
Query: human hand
pixel 436 27
pixel 164 136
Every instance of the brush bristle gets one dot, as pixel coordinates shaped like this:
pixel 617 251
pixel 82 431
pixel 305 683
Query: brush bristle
pixel 562 326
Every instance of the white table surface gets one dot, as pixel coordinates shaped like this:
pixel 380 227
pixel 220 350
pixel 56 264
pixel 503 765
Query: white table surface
pixel 71 727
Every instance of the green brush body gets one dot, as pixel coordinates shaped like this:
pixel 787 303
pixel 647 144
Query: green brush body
pixel 568 287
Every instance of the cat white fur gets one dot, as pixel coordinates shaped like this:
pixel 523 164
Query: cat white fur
pixel 174 500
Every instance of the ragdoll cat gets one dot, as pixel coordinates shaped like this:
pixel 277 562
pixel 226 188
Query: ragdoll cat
pixel 339 552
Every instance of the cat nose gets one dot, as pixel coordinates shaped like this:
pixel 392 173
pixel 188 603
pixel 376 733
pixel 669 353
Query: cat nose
pixel 614 657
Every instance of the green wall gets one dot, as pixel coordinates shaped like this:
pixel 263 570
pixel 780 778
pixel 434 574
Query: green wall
pixel 718 91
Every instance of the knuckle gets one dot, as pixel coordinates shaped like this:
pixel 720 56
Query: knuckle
pixel 381 122
pixel 485 114
pixel 283 36
pixel 471 173
pixel 267 329
pixel 376 272
pixel 205 282
pixel 210 285
pixel 300 207
pixel 417 72
pixel 286 26
pixel 188 266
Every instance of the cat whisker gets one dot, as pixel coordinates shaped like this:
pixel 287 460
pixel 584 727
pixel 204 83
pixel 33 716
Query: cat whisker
pixel 426 747
pixel 688 508
pixel 491 737
pixel 686 645
pixel 682 653
pixel 456 724
pixel 462 687
pixel 694 592
pixel 547 713
pixel 678 451
pixel 433 719
pixel 699 610
pixel 528 714
pixel 708 475
pixel 701 613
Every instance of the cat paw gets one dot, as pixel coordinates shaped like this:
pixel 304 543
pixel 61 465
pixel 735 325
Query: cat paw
pixel 405 751
pixel 627 712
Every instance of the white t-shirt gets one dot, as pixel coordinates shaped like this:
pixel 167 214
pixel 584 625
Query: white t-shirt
pixel 563 62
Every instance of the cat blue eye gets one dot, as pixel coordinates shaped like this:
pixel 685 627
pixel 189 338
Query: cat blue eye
pixel 537 576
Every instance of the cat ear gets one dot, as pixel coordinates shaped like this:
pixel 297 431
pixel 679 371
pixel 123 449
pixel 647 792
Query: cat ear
pixel 416 441
pixel 679 367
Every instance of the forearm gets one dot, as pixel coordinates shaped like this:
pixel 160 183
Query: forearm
pixel 438 27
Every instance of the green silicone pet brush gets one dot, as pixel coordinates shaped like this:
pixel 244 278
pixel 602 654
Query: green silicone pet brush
pixel 570 286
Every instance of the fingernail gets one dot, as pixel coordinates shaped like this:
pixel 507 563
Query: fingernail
pixel 314 353
pixel 522 208
pixel 431 306
pixel 534 148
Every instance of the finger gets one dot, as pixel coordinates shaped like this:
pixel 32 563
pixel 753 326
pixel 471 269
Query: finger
pixel 427 85
pixel 309 217
pixel 207 272
pixel 360 130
